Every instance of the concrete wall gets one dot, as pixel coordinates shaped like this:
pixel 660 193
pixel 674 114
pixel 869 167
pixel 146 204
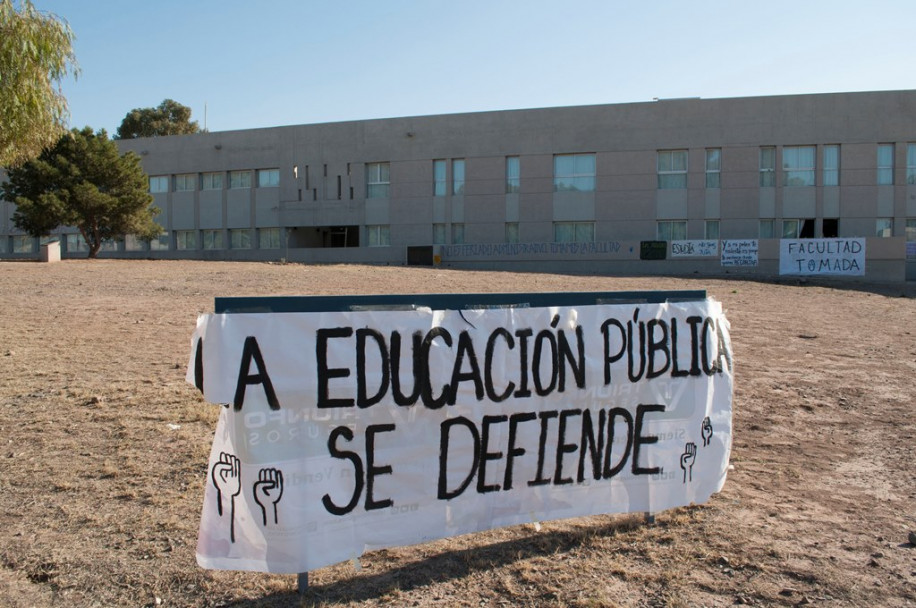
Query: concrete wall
pixel 884 261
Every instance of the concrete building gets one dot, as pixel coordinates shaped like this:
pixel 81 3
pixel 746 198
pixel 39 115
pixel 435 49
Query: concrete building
pixel 568 189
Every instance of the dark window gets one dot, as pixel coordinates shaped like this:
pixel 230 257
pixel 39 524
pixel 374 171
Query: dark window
pixel 807 229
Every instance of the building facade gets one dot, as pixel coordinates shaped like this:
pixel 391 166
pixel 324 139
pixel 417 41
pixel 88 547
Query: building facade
pixel 574 188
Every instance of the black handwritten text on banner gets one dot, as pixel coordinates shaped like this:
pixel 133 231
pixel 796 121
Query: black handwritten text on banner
pixel 822 256
pixel 351 431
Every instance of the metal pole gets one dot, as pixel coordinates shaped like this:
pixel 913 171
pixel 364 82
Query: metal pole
pixel 303 583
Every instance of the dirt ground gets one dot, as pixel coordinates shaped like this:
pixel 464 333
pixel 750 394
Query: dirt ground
pixel 103 454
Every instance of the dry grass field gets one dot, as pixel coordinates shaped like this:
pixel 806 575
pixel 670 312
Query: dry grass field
pixel 103 454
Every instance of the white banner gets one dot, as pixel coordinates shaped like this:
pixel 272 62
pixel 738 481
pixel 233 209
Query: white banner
pixel 695 249
pixel 739 252
pixel 822 256
pixel 347 432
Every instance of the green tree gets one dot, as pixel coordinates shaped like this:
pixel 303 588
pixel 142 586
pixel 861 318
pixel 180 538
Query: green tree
pixel 83 181
pixel 36 53
pixel 169 118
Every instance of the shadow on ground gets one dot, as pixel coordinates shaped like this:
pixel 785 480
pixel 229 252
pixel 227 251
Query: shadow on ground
pixel 442 567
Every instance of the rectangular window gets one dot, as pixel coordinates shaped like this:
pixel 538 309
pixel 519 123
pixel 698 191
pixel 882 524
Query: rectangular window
pixel 23 243
pixel 766 229
pixel 798 165
pixel 159 183
pixel 910 232
pixel 268 238
pixel 713 167
pixel 186 239
pixel 711 231
pixel 512 232
pixel 212 239
pixel 573 232
pixel 378 180
pixel 240 179
pixel 185 182
pixel 160 243
pixel 513 174
pixel 790 229
pixel 672 169
pixel 240 238
pixel 768 167
pixel 672 230
pixel 457 234
pixel 885 164
pixel 438 234
pixel 884 227
pixel 268 178
pixel 132 243
pixel 831 174
pixel 378 236
pixel 211 181
pixel 574 173
pixel 830 227
pixel 911 164
pixel 109 245
pixel 458 176
pixel 75 243
pixel 439 183
pixel 806 228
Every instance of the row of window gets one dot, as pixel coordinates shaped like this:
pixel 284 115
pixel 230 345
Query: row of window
pixel 242 238
pixel 577 172
pixel 799 165
pixel 379 235
pixel 676 230
pixel 186 182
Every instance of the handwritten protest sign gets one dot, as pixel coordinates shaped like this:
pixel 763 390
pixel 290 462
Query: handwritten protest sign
pixel 822 256
pixel 344 432
pixel 739 252
pixel 694 248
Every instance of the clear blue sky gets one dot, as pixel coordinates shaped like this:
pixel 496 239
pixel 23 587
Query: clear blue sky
pixel 268 63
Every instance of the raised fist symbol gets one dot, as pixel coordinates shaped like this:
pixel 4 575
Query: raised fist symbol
pixel 268 490
pixel 227 478
pixel 687 459
pixel 706 431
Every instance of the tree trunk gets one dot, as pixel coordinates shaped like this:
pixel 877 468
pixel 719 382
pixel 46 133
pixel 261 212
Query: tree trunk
pixel 94 243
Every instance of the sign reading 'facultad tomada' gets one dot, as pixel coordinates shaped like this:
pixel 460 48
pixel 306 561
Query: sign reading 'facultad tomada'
pixel 350 431
pixel 822 256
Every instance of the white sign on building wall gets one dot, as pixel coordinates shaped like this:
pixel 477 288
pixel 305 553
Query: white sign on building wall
pixel 822 256
pixel 739 252
pixel 695 249
pixel 350 431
